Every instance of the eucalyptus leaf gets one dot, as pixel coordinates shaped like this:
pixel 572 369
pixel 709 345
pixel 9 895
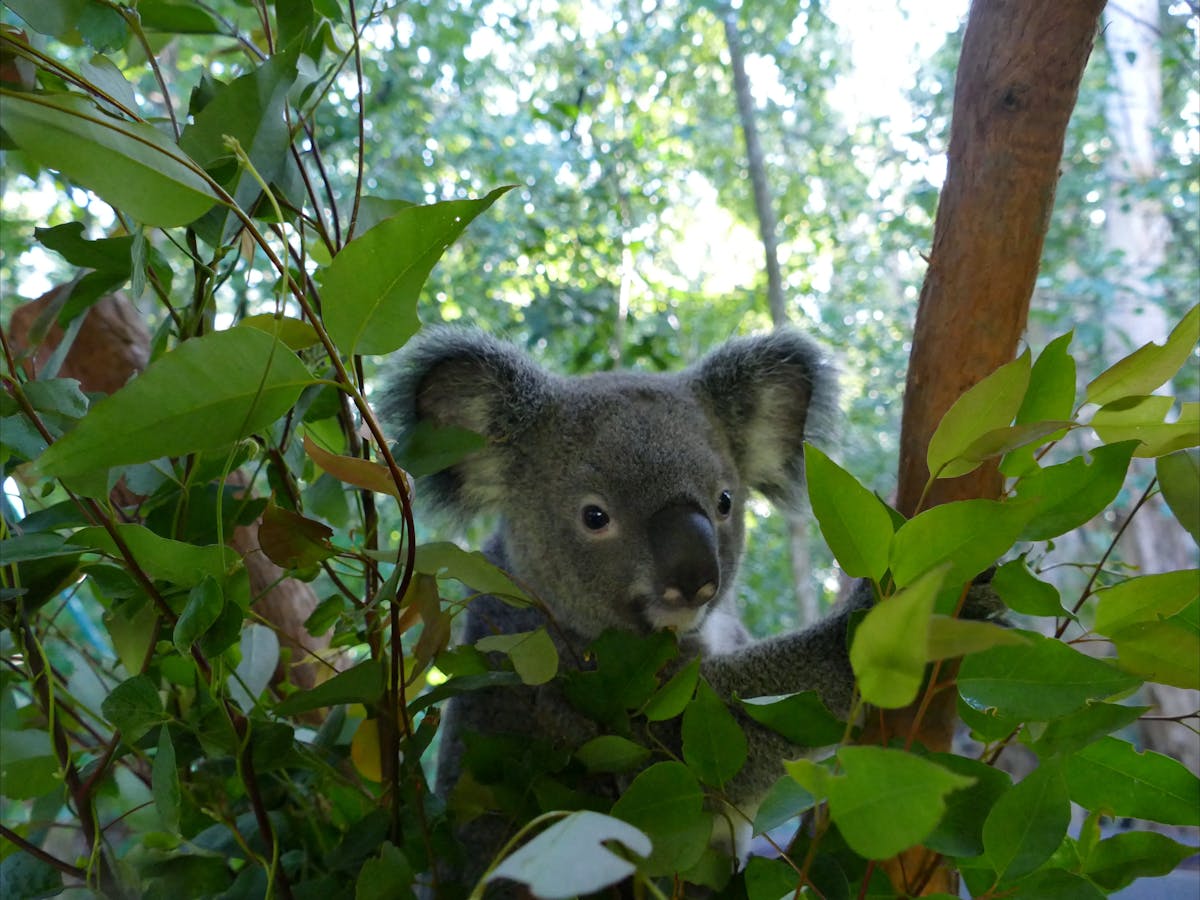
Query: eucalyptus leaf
pixel 369 291
pixel 666 803
pixel 205 394
pixel 714 745
pixel 1112 776
pixel 129 164
pixel 853 521
pixel 1148 367
pixel 1179 477
pixel 1027 823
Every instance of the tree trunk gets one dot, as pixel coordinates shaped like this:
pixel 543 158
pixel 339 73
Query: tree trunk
pixel 1018 78
pixel 798 537
pixel 1136 227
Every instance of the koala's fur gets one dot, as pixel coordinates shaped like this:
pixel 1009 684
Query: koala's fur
pixel 654 453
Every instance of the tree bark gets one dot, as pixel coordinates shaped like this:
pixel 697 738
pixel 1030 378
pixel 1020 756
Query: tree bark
pixel 1022 61
pixel 1018 79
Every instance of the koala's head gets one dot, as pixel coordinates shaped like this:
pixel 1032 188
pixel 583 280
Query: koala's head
pixel 620 494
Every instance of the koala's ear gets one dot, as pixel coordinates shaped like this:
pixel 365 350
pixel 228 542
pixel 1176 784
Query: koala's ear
pixel 448 376
pixel 770 393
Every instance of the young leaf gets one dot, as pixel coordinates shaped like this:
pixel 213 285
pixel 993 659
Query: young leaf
pixel 1111 775
pixel 361 684
pixel 532 653
pixel 1094 721
pixel 671 699
pixel 572 858
pixel 1039 681
pixel 1164 651
pixel 1179 477
pixel 447 560
pixel 205 394
pixel 369 292
pixel 1071 494
pixel 714 745
pixel 612 753
pixel 666 802
pixel 801 718
pixel 1024 592
pixel 889 800
pixel 164 782
pixel 131 165
pixel 889 648
pixel 988 405
pixel 1051 393
pixel 260 656
pixel 1116 862
pixel 134 707
pixel 969 534
pixel 1148 367
pixel 950 637
pixel 1028 823
pixel 854 522
pixel 1146 598
pixel 205 602
pixel 1144 419
pixel 353 470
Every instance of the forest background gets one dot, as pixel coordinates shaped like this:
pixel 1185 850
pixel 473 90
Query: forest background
pixel 635 236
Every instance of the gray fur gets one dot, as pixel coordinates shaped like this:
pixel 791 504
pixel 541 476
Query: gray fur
pixel 642 447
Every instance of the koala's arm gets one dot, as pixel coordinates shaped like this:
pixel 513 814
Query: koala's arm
pixel 814 659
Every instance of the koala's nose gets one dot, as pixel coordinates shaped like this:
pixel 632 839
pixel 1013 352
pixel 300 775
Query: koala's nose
pixel 684 544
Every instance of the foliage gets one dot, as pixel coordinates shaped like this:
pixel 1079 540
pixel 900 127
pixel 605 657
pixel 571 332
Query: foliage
pixel 149 745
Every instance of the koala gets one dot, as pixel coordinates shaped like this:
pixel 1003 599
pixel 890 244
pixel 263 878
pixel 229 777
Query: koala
pixel 620 498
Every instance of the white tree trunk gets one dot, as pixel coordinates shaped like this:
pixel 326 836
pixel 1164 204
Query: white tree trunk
pixel 1137 228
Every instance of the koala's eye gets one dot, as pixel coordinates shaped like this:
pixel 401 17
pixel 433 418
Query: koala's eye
pixel 724 504
pixel 594 518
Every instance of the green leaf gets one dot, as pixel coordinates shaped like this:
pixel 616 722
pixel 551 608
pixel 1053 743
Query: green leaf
pixel 369 292
pixel 1094 721
pixel 205 602
pixel 425 449
pixel 783 802
pixel 1069 495
pixel 1027 823
pixel 1057 884
pixel 28 767
pixel 384 877
pixel 714 745
pixel 106 254
pixel 1144 419
pixel 1116 862
pixel 1042 680
pixel 950 637
pixel 249 109
pixel 295 333
pixel 447 560
pixel 1179 477
pixel 854 522
pixel 1165 652
pixel 1050 397
pixel 571 857
pixel 612 753
pixel 670 699
pixel 361 684
pixel 532 653
pixel 960 830
pixel 666 802
pixel 164 782
pixel 889 650
pixel 888 800
pixel 988 405
pixel 205 394
pixel 1148 367
pixel 159 557
pixel 133 707
pixel 52 17
pixel 801 718
pixel 131 165
pixel 969 534
pixel 1111 775
pixel 769 879
pixel 1025 593
pixel 1146 598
